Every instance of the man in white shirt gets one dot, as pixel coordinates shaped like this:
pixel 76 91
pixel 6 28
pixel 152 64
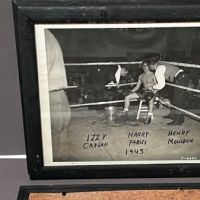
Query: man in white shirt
pixel 59 106
pixel 160 76
pixel 171 73
pixel 121 71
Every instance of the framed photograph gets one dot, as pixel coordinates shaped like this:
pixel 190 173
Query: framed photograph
pixel 109 90
pixel 113 192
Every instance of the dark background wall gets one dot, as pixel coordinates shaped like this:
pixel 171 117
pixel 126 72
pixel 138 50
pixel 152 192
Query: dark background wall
pixel 13 172
pixel 180 44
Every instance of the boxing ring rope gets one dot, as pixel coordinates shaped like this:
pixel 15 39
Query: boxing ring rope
pixel 102 63
pixel 181 64
pixel 112 85
pixel 98 103
pixel 177 108
pixel 183 87
pixel 71 86
pixel 121 85
pixel 134 83
pixel 189 65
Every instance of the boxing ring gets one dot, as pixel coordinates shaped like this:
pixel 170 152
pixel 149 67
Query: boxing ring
pixel 163 102
pixel 90 119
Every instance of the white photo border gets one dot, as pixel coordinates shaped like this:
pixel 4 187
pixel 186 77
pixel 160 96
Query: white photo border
pixel 44 94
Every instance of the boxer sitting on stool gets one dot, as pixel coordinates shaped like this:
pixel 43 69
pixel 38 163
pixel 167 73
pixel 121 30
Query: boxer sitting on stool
pixel 148 80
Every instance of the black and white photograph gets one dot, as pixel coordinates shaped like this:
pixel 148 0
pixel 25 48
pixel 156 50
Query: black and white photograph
pixel 119 93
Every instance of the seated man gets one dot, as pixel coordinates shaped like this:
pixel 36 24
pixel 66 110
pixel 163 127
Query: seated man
pixel 147 78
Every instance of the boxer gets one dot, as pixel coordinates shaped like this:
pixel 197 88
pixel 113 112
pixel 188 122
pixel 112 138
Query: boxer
pixel 147 79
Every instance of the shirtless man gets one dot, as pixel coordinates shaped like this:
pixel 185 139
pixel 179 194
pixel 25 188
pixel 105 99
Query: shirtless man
pixel 147 79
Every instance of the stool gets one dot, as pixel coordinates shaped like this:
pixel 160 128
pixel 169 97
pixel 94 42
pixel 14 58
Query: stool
pixel 142 108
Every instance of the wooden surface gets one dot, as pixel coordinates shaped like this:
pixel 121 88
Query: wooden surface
pixel 122 195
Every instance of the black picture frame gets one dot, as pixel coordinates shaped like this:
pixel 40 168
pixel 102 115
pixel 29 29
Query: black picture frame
pixel 32 12
pixel 25 191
